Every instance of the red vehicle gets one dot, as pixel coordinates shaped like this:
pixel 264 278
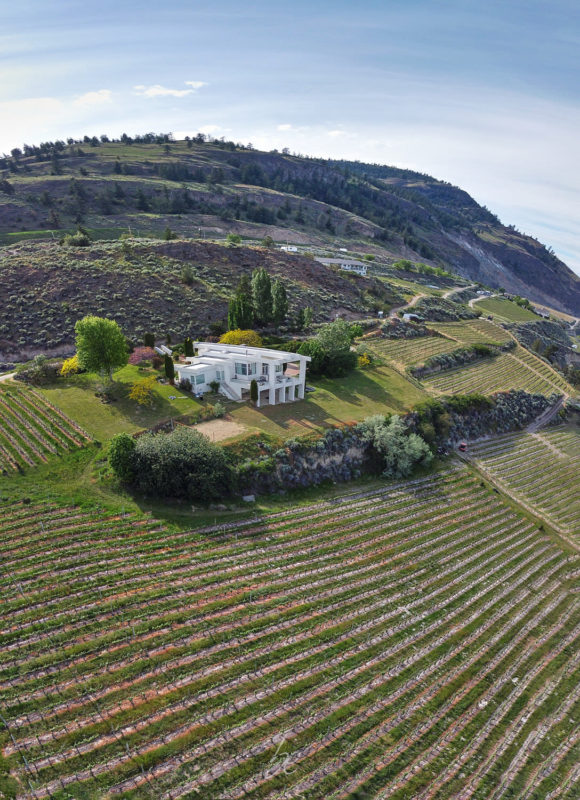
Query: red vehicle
pixel 462 446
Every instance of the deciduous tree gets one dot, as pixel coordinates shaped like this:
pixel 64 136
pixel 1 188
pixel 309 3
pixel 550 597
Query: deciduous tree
pixel 100 345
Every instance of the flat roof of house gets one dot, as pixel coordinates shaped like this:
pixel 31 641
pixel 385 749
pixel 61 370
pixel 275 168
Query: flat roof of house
pixel 218 351
pixel 345 260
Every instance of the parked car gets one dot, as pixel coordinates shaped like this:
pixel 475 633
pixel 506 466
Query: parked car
pixel 462 446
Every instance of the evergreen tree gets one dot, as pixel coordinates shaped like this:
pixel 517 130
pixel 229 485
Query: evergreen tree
pixel 262 295
pixel 245 287
pixel 149 340
pixel 240 313
pixel 279 302
pixel 169 369
pixel 254 391
pixel 142 202
pixel 299 320
pixel 188 347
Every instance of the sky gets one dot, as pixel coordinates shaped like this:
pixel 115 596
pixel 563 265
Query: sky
pixel 485 95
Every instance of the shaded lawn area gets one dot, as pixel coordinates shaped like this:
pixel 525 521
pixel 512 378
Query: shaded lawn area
pixel 76 397
pixel 360 394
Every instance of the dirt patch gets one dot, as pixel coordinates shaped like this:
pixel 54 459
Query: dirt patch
pixel 219 429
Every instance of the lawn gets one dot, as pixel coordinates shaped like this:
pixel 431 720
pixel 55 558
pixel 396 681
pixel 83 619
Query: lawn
pixel 376 390
pixel 76 397
pixel 505 309
pixel 360 394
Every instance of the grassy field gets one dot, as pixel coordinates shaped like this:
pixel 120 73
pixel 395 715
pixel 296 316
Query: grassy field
pixel 353 648
pixel 516 370
pixel 76 397
pixel 506 310
pixel 542 469
pixel 375 390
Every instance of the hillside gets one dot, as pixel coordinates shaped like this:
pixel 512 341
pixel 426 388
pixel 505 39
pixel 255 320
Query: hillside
pixel 209 188
pixel 45 288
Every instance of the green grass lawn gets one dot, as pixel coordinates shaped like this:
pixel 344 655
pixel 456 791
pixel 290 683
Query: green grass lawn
pixel 505 309
pixel 76 397
pixel 376 390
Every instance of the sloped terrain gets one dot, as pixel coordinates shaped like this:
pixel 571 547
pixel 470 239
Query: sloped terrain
pixel 45 288
pixel 147 183
pixel 353 648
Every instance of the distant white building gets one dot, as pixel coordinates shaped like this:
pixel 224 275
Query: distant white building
pixel 289 248
pixel 411 317
pixel 541 312
pixel 281 376
pixel 347 264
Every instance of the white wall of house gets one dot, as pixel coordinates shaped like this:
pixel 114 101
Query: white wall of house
pixel 347 264
pixel 235 366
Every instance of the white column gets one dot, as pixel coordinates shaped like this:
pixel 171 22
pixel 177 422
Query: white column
pixel 272 397
pixel 301 379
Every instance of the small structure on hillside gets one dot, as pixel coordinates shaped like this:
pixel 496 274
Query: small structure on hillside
pixel 408 317
pixel 348 264
pixel 280 376
pixel 289 248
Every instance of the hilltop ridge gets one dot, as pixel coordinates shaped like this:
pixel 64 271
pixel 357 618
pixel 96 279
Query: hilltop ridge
pixel 212 187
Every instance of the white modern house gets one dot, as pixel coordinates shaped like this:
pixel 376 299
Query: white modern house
pixel 280 376
pixel 348 264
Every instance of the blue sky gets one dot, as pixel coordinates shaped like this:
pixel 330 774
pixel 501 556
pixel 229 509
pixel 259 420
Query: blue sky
pixel 485 95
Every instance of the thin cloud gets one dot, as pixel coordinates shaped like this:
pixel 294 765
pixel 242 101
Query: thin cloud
pixel 97 98
pixel 157 90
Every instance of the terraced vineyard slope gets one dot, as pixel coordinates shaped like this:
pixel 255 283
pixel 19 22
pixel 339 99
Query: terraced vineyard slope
pixel 32 429
pixel 518 369
pixel 542 469
pixel 410 352
pixel 358 647
pixel 477 331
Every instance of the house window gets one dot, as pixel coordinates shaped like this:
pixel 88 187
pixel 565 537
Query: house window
pixel 220 375
pixel 264 369
pixel 241 369
pixel 199 379
pixel 252 368
pixel 279 367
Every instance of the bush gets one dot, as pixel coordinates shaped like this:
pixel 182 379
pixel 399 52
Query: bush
pixel 219 410
pixel 40 372
pixel 78 239
pixel 70 366
pixel 249 338
pixel 142 391
pixel 400 450
pixel 185 385
pixel 141 355
pixel 330 351
pixel 182 464
pixel 121 456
